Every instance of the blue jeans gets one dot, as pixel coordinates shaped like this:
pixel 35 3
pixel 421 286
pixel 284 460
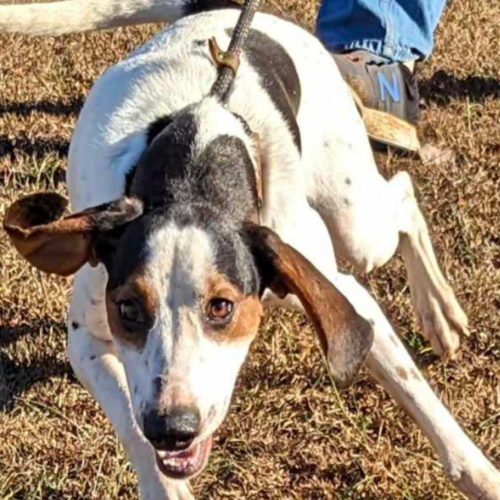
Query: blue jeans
pixel 400 30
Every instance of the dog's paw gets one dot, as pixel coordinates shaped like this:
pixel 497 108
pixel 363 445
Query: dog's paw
pixel 441 319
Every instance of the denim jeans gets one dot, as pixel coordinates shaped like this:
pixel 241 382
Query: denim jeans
pixel 400 30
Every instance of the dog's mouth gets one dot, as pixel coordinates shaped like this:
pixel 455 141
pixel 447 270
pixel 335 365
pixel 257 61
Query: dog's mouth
pixel 186 463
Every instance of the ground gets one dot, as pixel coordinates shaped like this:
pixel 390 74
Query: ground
pixel 290 434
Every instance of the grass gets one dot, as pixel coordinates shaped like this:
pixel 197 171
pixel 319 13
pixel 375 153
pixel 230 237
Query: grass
pixel 289 434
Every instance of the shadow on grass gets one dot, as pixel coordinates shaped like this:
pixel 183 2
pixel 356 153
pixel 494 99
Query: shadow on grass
pixel 16 375
pixel 48 495
pixel 442 87
pixel 72 107
pixel 37 147
pixel 11 334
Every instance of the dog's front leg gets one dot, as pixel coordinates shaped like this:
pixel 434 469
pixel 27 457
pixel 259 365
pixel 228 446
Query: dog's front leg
pixel 97 367
pixel 392 366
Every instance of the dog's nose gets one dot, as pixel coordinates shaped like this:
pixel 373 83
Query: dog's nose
pixel 172 431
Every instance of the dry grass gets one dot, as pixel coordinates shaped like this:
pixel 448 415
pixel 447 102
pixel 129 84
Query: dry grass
pixel 289 434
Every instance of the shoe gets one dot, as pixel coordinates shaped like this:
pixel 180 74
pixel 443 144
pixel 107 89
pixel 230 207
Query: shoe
pixel 381 84
pixel 383 89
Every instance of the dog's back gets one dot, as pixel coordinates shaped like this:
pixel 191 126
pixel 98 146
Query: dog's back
pixel 174 70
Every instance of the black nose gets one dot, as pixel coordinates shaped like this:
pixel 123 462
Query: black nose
pixel 172 431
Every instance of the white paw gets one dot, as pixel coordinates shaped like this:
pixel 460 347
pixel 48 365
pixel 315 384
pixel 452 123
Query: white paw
pixel 441 319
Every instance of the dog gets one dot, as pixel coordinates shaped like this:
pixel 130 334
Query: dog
pixel 191 214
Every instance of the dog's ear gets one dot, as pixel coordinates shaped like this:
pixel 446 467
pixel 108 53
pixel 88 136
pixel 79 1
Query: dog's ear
pixel 62 245
pixel 345 336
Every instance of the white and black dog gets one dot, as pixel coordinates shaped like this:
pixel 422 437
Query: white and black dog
pixel 175 257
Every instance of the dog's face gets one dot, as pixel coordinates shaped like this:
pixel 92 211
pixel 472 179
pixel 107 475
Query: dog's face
pixel 187 266
pixel 183 292
pixel 183 307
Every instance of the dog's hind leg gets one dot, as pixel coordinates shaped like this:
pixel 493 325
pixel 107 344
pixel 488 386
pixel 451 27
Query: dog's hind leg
pixel 99 370
pixel 391 365
pixel 438 312
pixel 368 218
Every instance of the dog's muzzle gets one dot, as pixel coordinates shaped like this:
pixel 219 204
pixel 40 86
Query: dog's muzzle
pixel 173 437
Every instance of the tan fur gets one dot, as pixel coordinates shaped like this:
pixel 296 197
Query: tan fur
pixel 247 314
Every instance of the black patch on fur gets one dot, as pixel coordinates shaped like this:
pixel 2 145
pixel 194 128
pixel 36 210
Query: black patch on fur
pixel 129 177
pixel 214 190
pixel 157 127
pixel 278 76
pixel 116 214
pixel 111 223
pixel 222 176
pixel 197 6
pixel 154 129
pixel 233 258
pixel 165 160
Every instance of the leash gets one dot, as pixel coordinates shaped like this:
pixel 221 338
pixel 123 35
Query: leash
pixel 229 62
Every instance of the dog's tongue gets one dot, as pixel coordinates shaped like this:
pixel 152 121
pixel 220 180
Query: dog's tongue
pixel 180 455
pixel 185 463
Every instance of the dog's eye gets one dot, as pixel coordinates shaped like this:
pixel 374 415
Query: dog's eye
pixel 131 311
pixel 220 309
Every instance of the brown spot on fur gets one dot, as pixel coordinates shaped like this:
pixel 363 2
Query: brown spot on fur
pixel 402 373
pixel 60 245
pixel 137 287
pixel 246 316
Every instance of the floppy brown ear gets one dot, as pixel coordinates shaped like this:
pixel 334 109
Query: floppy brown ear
pixel 345 336
pixel 61 245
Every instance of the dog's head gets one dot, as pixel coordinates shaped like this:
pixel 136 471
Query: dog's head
pixel 187 266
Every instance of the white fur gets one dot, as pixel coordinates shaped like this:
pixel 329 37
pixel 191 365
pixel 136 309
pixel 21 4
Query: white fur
pixel 332 192
pixel 71 16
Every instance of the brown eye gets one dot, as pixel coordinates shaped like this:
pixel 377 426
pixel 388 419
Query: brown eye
pixel 220 309
pixel 131 312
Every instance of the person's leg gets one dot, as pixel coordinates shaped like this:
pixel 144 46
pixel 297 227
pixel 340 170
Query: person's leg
pixel 399 30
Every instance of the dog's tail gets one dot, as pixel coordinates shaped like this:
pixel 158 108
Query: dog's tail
pixel 74 16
